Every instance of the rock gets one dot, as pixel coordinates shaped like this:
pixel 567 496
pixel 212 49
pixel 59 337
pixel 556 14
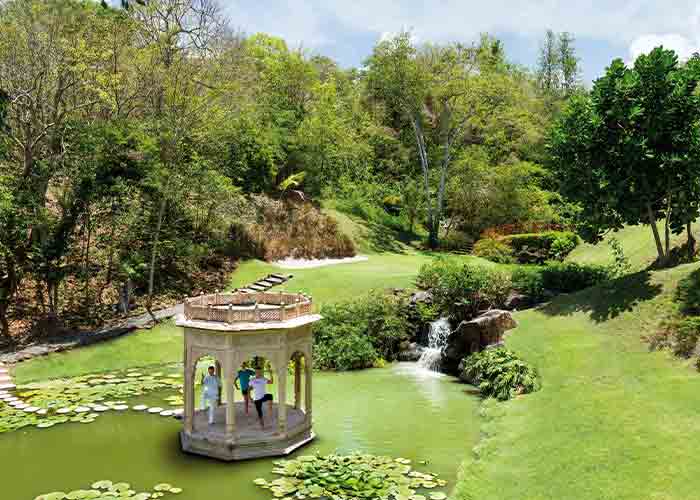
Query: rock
pixel 421 297
pixel 475 335
pixel 517 301
pixel 410 351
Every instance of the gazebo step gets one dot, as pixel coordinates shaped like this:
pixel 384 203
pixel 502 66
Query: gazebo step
pixel 280 276
pixel 257 288
pixel 246 290
pixel 276 281
pixel 265 283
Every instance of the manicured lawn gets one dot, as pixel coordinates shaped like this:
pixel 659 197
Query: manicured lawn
pixel 637 243
pixel 163 344
pixel 612 421
pixel 345 281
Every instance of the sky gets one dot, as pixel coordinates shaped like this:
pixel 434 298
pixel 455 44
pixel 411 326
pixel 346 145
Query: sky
pixel 346 30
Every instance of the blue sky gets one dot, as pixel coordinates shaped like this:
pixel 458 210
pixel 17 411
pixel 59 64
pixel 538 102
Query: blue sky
pixel 604 29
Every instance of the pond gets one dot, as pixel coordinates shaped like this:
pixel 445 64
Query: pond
pixel 400 411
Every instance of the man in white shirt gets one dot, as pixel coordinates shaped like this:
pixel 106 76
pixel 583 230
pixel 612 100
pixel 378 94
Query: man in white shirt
pixel 259 385
pixel 210 393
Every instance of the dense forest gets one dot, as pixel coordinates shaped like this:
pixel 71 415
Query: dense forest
pixel 144 146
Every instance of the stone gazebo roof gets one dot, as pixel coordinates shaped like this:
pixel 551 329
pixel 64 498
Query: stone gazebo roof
pixel 237 327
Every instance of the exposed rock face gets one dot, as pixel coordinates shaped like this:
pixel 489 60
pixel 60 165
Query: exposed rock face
pixel 410 351
pixel 422 296
pixel 475 335
pixel 517 301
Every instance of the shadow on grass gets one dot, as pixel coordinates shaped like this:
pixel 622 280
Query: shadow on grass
pixel 609 300
pixel 688 294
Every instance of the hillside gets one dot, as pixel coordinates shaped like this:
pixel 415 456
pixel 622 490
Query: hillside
pixel 636 241
pixel 610 412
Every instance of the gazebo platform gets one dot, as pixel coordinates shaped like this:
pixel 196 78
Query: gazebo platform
pixel 250 441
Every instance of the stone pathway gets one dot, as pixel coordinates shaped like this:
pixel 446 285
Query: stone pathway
pixel 6 383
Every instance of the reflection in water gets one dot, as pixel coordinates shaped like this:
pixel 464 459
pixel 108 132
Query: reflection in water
pixel 399 411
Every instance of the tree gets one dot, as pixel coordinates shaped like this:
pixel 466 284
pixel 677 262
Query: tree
pixel 570 71
pixel 549 64
pixel 628 152
pixel 430 88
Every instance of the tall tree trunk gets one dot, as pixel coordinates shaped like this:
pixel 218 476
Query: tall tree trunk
pixel 154 256
pixel 423 154
pixel 657 237
pixel 691 241
pixel 4 321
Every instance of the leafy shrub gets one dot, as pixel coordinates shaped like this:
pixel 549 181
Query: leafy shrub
pixel 566 277
pixel 356 334
pixel 688 293
pixel 464 290
pixel 429 275
pixel 457 241
pixel 528 280
pixel 500 373
pixel 494 250
pixel 686 335
pixel 621 264
pixel 558 277
pixel 539 247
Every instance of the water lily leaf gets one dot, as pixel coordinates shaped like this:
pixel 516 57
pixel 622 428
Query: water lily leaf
pixel 175 491
pixel 102 485
pixel 438 495
pixel 162 487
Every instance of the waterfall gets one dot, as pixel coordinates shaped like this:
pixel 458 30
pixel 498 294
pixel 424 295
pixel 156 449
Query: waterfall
pixel 437 339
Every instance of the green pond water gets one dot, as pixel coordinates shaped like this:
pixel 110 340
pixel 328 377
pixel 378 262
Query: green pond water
pixel 398 411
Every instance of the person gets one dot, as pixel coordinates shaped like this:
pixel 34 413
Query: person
pixel 244 377
pixel 210 392
pixel 259 385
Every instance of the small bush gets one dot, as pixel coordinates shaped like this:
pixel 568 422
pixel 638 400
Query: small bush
pixel 529 281
pixel 500 373
pixel 457 241
pixel 566 277
pixel 356 334
pixel 688 294
pixel 686 335
pixel 430 275
pixel 464 290
pixel 494 250
pixel 540 247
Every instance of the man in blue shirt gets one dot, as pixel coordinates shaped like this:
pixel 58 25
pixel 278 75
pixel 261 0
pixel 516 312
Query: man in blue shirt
pixel 244 376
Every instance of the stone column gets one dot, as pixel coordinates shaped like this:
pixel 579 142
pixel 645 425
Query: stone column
pixel 230 370
pixel 189 388
pixel 217 365
pixel 309 371
pixel 282 394
pixel 297 381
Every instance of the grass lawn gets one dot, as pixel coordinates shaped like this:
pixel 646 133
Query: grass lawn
pixel 612 421
pixel 163 344
pixel 637 243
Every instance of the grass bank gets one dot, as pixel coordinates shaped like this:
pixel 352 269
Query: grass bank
pixel 612 421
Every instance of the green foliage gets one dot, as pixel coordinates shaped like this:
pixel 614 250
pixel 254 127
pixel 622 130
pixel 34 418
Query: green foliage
pixel 355 334
pixel 500 373
pixel 457 241
pixel 495 250
pixel 547 246
pixel 688 294
pixel 111 489
pixel 621 265
pixel 686 334
pixel 566 277
pixel 627 153
pixel 346 477
pixel 537 282
pixel 464 289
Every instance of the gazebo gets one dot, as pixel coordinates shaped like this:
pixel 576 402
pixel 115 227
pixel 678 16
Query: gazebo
pixel 235 327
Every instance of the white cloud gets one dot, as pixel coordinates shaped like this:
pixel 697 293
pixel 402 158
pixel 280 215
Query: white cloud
pixel 683 46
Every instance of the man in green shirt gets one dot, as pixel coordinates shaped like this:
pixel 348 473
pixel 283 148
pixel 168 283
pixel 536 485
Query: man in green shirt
pixel 243 376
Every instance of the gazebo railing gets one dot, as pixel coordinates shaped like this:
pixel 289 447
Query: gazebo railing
pixel 219 307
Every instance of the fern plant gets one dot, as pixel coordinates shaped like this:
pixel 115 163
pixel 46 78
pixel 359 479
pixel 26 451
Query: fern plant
pixel 499 373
